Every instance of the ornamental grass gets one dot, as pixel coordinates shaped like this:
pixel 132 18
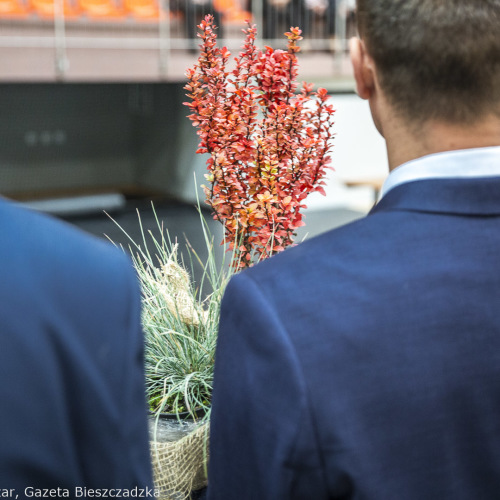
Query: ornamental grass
pixel 180 320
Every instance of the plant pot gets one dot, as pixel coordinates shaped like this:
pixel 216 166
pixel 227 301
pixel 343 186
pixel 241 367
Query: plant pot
pixel 179 453
pixel 183 416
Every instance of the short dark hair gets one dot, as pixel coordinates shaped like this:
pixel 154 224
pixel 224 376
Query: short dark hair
pixel 436 59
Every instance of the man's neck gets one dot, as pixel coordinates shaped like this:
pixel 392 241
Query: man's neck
pixel 409 143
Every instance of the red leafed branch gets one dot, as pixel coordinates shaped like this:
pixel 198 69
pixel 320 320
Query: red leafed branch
pixel 269 145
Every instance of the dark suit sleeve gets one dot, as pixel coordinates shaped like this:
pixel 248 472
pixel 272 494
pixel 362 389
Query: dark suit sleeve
pixel 263 443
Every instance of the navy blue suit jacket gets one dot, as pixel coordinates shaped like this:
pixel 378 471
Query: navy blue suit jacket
pixel 72 404
pixel 365 363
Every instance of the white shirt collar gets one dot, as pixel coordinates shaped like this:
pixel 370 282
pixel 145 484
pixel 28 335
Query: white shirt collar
pixel 477 162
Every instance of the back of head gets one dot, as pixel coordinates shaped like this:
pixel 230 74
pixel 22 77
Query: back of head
pixel 436 59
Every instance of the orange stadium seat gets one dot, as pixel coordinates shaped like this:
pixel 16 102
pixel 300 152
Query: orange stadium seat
pixel 13 9
pixel 46 9
pixel 144 9
pixel 102 9
pixel 231 10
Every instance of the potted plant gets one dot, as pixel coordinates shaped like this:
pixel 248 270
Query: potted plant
pixel 268 147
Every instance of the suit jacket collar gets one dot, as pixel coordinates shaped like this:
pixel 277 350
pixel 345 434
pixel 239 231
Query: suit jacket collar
pixel 456 164
pixel 472 196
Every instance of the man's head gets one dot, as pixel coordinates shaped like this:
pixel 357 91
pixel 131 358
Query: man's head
pixel 434 59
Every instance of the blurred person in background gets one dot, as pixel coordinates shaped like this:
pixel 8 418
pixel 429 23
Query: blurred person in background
pixel 193 12
pixel 73 408
pixel 279 15
pixel 365 363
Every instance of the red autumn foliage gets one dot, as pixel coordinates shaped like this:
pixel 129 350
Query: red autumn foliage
pixel 269 146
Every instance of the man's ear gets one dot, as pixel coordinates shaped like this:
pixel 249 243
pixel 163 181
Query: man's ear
pixel 363 68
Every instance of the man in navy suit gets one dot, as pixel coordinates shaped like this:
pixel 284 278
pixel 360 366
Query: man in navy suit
pixel 72 401
pixel 365 363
